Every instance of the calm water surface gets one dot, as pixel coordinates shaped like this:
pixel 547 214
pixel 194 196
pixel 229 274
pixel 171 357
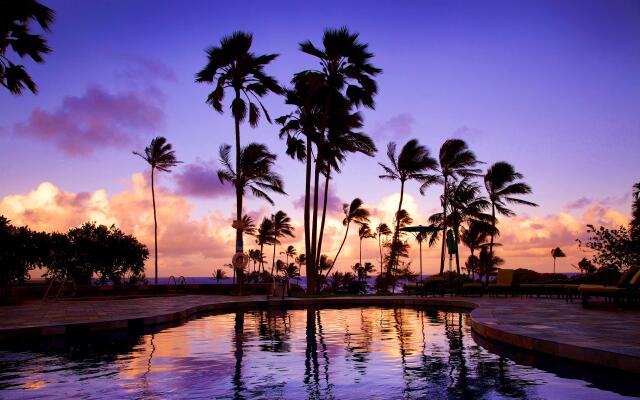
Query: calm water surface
pixel 359 353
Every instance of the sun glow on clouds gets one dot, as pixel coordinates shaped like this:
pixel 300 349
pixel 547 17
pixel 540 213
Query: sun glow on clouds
pixel 193 246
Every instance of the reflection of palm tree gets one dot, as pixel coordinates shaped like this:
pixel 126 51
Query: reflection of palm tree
pixel 501 182
pixel 355 213
pixel 412 163
pixel 281 227
pixel 238 340
pixel 159 155
pixel 456 160
pixel 311 370
pixel 232 65
pixel 555 253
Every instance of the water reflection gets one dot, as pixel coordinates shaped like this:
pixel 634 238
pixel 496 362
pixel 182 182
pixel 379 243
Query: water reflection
pixel 363 353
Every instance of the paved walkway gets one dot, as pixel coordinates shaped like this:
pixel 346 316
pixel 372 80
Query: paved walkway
pixel 605 337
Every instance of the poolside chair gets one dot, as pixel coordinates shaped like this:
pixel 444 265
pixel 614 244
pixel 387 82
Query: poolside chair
pixel 626 288
pixel 503 283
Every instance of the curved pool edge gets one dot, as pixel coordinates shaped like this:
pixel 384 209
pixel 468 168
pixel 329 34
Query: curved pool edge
pixel 483 323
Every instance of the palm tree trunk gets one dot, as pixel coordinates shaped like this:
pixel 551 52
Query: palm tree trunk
pixel 273 263
pixel 396 233
pixel 324 214
pixel 360 252
pixel 155 227
pixel 380 248
pixel 314 224
pixel 444 226
pixel 239 244
pixel 261 258
pixel 339 250
pixel 457 238
pixel 310 260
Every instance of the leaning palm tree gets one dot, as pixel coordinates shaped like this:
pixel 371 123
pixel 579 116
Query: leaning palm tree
pixel 232 65
pixel 264 236
pixel 456 160
pixel 382 230
pixel 281 227
pixel 15 31
pixel 255 164
pixel 555 253
pixel 413 163
pixel 161 156
pixel 503 186
pixel 353 212
pixel 364 232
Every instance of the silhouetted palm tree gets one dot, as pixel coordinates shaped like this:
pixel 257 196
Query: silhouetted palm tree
pixel 555 253
pixel 367 269
pixel 501 182
pixel 15 32
pixel 413 163
pixel 475 236
pixel 635 213
pixel 456 160
pixel 487 262
pixel 264 237
pixel 364 232
pixel 249 226
pixel 281 227
pixel 231 65
pixel 344 80
pixel 353 212
pixel 382 230
pixel 289 252
pixel 159 155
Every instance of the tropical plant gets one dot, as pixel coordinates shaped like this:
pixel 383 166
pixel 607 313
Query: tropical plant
pixel 364 232
pixel 264 237
pixel 612 248
pixel 231 65
pixel 367 269
pixel 282 227
pixel 414 162
pixel 455 161
pixel 488 262
pixel 503 185
pixel 635 213
pixel 353 212
pixel 248 225
pixel 344 81
pixel 585 266
pixel 15 33
pixel 382 230
pixel 161 156
pixel 555 253
pixel 289 252
pixel 220 275
pixel 475 236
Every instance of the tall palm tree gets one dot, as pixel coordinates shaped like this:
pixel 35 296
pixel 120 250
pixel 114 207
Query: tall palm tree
pixel 231 65
pixel 503 186
pixel 15 31
pixel 635 213
pixel 413 163
pixel 345 76
pixel 281 227
pixel 555 253
pixel 161 156
pixel 364 232
pixel 456 160
pixel 382 230
pixel 353 212
pixel 264 237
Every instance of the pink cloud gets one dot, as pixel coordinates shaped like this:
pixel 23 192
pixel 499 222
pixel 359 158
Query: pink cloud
pixel 95 120
pixel 200 179
pixel 334 203
pixel 398 126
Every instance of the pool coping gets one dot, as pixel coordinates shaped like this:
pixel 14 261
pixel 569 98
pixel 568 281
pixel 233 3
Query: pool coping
pixel 482 323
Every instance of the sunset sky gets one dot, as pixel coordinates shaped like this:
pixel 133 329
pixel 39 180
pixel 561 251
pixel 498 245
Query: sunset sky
pixel 551 86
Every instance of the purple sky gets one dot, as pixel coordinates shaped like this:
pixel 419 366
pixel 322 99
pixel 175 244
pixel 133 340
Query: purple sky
pixel 551 86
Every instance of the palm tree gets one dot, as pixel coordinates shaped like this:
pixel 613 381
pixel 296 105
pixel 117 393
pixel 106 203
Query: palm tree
pixel 502 184
pixel 346 77
pixel 220 275
pixel 456 160
pixel 249 226
pixel 232 65
pixel 368 268
pixel 382 230
pixel 364 232
pixel 15 18
pixel 635 213
pixel 487 262
pixel 555 253
pixel 475 236
pixel 161 156
pixel 413 163
pixel 255 165
pixel 289 252
pixel 353 212
pixel 281 227
pixel 254 256
pixel 264 237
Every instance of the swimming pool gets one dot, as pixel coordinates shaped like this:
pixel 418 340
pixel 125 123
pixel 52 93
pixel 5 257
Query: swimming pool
pixel 315 353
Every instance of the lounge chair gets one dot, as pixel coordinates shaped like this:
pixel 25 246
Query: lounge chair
pixel 626 288
pixel 503 283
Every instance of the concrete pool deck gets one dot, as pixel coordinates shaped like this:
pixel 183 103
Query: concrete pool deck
pixel 609 338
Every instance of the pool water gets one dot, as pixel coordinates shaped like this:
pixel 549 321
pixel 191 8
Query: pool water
pixel 356 353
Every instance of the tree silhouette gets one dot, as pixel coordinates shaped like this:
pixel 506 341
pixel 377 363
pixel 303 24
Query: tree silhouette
pixel 161 156
pixel 382 230
pixel 364 232
pixel 281 225
pixel 353 212
pixel 555 253
pixel 264 237
pixel 635 213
